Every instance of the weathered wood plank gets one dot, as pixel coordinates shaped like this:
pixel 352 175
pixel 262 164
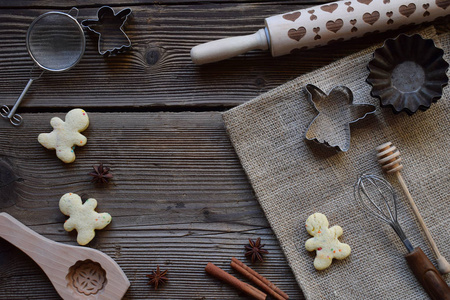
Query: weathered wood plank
pixel 158 73
pixel 179 199
pixel 90 3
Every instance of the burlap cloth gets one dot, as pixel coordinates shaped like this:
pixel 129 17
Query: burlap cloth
pixel 294 178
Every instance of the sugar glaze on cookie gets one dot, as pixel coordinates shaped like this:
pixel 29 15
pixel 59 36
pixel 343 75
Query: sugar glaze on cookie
pixel 324 241
pixel 66 134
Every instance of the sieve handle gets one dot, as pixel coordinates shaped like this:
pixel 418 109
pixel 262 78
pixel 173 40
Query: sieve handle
pixel 428 275
pixel 16 105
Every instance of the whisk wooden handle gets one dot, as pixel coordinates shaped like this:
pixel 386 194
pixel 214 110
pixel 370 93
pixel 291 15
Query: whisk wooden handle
pixel 427 275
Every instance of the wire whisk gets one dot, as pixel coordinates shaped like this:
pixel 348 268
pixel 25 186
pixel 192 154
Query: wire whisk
pixel 378 197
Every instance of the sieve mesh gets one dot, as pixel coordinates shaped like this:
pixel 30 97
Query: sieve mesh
pixel 55 41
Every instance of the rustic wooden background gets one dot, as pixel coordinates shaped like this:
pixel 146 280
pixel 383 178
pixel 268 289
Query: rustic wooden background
pixel 179 198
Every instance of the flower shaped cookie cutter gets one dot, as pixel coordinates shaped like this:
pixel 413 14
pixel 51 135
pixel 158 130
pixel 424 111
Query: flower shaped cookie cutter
pixel 109 28
pixel 331 126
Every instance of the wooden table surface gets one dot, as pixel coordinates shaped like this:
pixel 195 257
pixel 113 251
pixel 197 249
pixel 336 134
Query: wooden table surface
pixel 179 198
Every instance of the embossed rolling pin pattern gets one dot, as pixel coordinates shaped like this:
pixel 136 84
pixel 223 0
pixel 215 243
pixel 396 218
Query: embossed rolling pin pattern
pixel 323 24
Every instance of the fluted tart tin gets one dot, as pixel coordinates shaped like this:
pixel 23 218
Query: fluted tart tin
pixel 408 73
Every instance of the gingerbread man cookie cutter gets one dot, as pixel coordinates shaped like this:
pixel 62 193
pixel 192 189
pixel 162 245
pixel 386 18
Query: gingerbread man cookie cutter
pixel 82 217
pixel 66 134
pixel 112 39
pixel 337 111
pixel 325 241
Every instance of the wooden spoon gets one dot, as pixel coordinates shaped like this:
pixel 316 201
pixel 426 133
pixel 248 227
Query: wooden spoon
pixel 75 272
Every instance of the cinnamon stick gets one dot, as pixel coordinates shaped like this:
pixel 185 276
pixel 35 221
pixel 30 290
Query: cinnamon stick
pixel 258 279
pixel 233 281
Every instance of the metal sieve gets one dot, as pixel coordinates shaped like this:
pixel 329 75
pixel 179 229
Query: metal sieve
pixel 55 42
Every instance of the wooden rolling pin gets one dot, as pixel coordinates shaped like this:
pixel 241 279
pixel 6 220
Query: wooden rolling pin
pixel 323 24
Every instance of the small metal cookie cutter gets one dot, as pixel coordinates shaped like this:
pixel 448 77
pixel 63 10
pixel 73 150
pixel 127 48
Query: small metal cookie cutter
pixel 109 28
pixel 336 111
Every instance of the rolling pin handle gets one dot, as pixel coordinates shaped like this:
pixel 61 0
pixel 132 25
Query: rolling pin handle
pixel 229 47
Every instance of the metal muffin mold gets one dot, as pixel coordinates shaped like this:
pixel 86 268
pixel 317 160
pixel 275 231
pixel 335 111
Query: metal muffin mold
pixel 407 73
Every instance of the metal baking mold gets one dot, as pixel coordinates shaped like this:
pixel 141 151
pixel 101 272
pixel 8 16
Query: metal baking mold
pixel 331 126
pixel 112 39
pixel 407 73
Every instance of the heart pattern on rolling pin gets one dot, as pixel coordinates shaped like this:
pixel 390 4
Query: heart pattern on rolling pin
pixel 349 8
pixel 353 22
pixel 335 26
pixel 426 13
pixel 313 16
pixel 316 31
pixel 293 16
pixel 329 8
pixel 371 18
pixel 297 34
pixel 299 50
pixel 407 10
pixel 330 42
pixel 371 33
pixel 443 3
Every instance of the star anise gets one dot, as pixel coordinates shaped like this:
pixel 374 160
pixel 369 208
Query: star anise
pixel 255 250
pixel 157 278
pixel 101 174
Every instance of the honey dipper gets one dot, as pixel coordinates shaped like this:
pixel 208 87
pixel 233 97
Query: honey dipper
pixel 389 159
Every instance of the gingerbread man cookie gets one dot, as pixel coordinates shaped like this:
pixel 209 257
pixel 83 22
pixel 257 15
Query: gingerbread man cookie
pixel 66 134
pixel 325 241
pixel 83 217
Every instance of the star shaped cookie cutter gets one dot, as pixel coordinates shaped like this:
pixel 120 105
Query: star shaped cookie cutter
pixel 109 28
pixel 331 126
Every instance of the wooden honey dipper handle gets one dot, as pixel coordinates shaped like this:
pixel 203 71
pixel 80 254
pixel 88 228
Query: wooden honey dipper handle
pixel 389 159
